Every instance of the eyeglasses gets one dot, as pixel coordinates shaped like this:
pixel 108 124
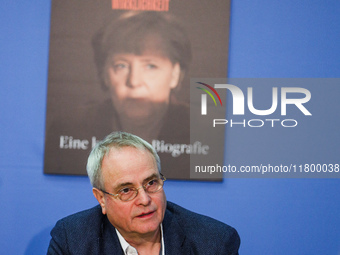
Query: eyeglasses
pixel 129 193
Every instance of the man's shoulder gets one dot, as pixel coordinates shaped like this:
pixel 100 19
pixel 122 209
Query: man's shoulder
pixel 78 232
pixel 201 229
pixel 79 222
pixel 194 220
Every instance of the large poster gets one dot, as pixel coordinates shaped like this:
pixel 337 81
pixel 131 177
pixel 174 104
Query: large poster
pixel 126 65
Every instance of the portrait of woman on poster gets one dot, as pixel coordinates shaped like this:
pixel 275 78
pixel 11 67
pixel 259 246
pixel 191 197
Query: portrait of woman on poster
pixel 141 59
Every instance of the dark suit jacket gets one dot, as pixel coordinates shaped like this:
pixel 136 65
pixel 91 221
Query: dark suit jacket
pixel 185 232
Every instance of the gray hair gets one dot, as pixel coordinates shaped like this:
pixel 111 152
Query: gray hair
pixel 114 140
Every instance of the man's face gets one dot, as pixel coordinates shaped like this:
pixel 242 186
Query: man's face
pixel 140 85
pixel 130 167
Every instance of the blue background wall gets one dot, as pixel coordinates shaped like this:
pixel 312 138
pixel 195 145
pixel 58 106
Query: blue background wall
pixel 269 38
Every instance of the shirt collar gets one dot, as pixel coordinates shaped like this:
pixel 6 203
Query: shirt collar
pixel 124 244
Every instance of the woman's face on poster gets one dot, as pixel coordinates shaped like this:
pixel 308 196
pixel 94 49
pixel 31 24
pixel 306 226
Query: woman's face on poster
pixel 140 85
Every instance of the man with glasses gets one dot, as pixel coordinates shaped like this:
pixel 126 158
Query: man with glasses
pixel 133 216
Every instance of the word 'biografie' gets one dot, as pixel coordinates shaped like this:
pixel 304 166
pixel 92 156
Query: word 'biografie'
pixel 178 149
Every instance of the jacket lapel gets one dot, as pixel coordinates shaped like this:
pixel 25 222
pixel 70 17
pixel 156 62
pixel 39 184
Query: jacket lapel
pixel 175 240
pixel 109 242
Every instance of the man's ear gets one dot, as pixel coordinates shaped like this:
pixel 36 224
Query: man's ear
pixel 99 195
pixel 176 73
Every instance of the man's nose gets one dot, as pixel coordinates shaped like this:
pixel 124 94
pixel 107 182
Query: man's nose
pixel 143 197
pixel 135 77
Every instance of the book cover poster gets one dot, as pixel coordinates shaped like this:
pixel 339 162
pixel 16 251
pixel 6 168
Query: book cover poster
pixel 126 66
